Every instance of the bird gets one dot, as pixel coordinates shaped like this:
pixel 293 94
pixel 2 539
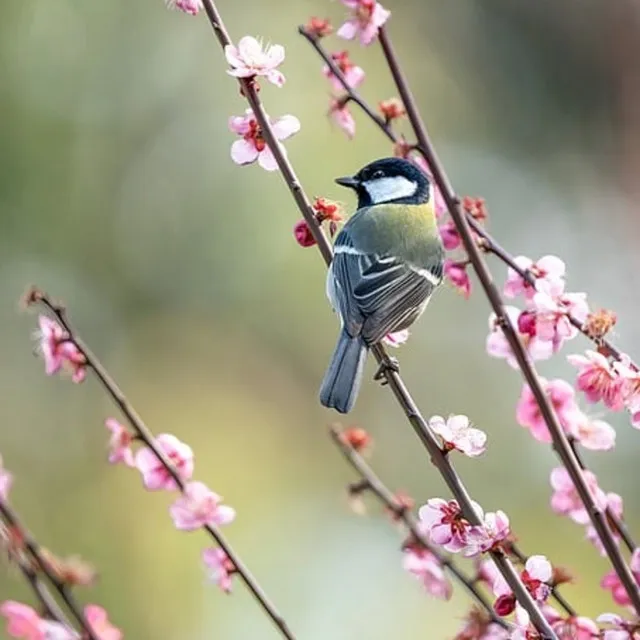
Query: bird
pixel 388 260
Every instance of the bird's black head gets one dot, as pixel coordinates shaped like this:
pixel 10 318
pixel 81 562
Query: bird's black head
pixel 389 180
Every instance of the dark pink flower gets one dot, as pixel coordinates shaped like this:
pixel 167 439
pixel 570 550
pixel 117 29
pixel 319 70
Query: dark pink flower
pixel 199 506
pixel 220 567
pixel 562 397
pixel 302 234
pixel 154 474
pixel 443 521
pixel 367 16
pixel 250 59
pixel 191 7
pixel 612 583
pixel 253 146
pixel 340 115
pixel 449 235
pixel 549 269
pixel 427 568
pixel 24 622
pixel 615 505
pixel 353 74
pixel 456 273
pixel 566 500
pixel 598 380
pixel 99 622
pixel 457 433
pixel 119 443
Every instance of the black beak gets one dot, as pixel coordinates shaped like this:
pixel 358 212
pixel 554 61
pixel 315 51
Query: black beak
pixel 348 181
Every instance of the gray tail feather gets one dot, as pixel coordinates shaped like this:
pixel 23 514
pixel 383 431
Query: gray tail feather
pixel 341 383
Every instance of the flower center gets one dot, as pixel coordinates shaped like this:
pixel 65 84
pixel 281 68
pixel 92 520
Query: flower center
pixel 365 11
pixel 254 135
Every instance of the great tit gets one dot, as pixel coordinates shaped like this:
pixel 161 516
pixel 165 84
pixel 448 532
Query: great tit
pixel 388 260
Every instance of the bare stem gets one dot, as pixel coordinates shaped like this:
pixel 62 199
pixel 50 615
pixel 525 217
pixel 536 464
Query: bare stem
pixel 386 497
pixel 559 438
pixel 41 564
pixel 145 436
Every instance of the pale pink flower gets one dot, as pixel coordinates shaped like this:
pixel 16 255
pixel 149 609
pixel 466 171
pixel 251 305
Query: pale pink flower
pixel 250 59
pixel 572 627
pixel 596 435
pixel 612 583
pixel 191 7
pixel 426 567
pixel 549 269
pixel 341 116
pixel 353 74
pixel 456 273
pixel 154 474
pixel 396 338
pixel 367 16
pixel 57 350
pixel 6 480
pixel 253 146
pixel 615 506
pixel 598 380
pixel 199 506
pixel 536 577
pixel 443 521
pixel 119 443
pixel 487 571
pixel 24 622
pixel 552 315
pixel 631 389
pixel 449 235
pixel 566 500
pixel 622 629
pixel 220 567
pixel 498 345
pixel 457 433
pixel 99 622
pixel 495 529
pixel 562 398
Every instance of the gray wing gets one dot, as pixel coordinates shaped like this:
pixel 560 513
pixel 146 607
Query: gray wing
pixel 376 295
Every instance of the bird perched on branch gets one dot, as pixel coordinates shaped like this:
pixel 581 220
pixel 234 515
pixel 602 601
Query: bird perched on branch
pixel 388 260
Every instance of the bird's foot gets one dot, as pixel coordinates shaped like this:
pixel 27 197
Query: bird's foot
pixel 388 364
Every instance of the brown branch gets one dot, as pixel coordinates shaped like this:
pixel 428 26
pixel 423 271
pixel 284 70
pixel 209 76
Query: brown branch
pixel 392 377
pixel 372 482
pixel 41 564
pixel 559 438
pixel 144 435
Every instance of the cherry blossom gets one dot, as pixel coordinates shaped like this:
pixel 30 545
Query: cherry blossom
pixel 191 7
pixel 119 443
pixel 341 116
pixel 353 74
pixel 220 567
pixel 549 269
pixel 250 59
pixel 596 435
pixel 318 27
pixel 456 273
pixel 622 629
pixel 99 622
pixel 449 235
pixel 253 146
pixel 631 390
pixel 6 480
pixel 154 474
pixel 198 506
pixel 615 506
pixel 598 380
pixel 566 500
pixel 426 567
pixel 571 627
pixel 367 16
pixel 562 398
pixel 478 626
pixel 552 315
pixel 611 581
pixel 396 338
pixel 302 234
pixel 24 622
pixel 392 109
pixel 457 433
pixel 494 530
pixel 443 521
pixel 57 349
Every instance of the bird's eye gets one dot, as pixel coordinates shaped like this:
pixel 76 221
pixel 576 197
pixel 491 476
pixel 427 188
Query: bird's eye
pixel 378 174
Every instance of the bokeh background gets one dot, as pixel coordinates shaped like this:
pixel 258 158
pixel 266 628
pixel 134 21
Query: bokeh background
pixel 117 194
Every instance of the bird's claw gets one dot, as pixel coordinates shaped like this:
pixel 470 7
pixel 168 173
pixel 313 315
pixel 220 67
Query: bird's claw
pixel 388 364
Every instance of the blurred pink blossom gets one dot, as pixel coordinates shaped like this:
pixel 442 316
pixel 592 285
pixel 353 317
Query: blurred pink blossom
pixel 616 506
pixel 449 235
pixel 188 6
pixel 425 567
pixel 24 622
pixel 367 16
pixel 566 500
pixel 57 350
pixel 99 622
pixel 457 433
pixel 220 567
pixel 154 474
pixel 6 480
pixel 612 583
pixel 353 74
pixel 548 268
pixel 596 435
pixel 250 59
pixel 341 116
pixel 621 629
pixel 199 506
pixel 119 443
pixel 456 273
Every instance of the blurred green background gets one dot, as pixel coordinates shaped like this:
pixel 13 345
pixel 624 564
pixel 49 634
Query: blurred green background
pixel 117 194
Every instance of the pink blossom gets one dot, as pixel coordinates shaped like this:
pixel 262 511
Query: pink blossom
pixel 487 571
pixel 199 506
pixel 425 567
pixel 24 622
pixel 562 397
pixel 549 269
pixel 615 506
pixel 445 524
pixel 253 146
pixel 340 115
pixel 449 235
pixel 622 629
pixel 353 74
pixel 494 530
pixel 221 568
pixel 612 583
pixel 6 480
pixel 596 435
pixel 573 627
pixel 457 433
pixel 631 390
pixel 552 315
pixel 188 6
pixel 566 500
pixel 303 235
pixel 58 350
pixel 119 443
pixel 536 577
pixel 250 59
pixel 367 16
pixel 396 338
pixel 456 273
pixel 598 380
pixel 498 345
pixel 154 474
pixel 99 622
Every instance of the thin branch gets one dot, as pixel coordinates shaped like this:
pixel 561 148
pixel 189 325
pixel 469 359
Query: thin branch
pixel 143 433
pixel 559 438
pixel 395 382
pixel 40 563
pixel 372 482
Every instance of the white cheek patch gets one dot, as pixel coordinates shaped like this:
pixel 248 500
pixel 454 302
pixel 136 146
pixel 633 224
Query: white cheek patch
pixel 392 188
